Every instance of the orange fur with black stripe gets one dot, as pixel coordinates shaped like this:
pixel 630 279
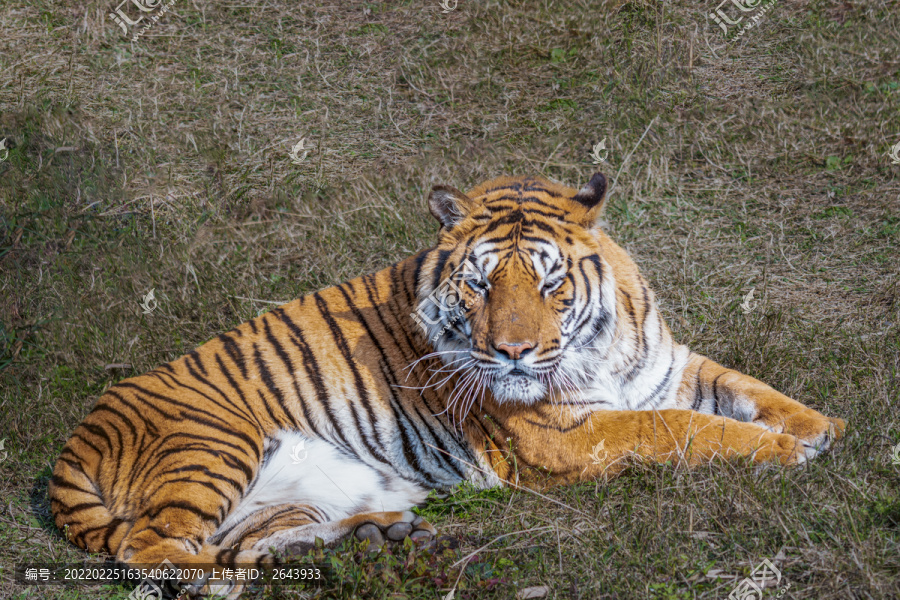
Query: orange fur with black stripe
pixel 524 347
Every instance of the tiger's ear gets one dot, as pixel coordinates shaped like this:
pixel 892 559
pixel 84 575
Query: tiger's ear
pixel 593 197
pixel 449 205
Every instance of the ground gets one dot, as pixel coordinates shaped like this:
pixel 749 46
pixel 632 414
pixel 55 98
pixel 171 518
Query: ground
pixel 758 162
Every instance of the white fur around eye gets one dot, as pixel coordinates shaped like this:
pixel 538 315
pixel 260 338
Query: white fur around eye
pixel 553 284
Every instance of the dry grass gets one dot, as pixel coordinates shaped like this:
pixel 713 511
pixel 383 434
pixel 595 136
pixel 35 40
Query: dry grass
pixel 164 164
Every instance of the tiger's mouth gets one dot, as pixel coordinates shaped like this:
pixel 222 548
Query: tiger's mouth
pixel 518 384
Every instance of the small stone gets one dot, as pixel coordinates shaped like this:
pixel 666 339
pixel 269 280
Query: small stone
pixel 539 591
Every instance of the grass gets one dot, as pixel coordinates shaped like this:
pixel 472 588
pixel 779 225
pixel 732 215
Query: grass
pixel 163 164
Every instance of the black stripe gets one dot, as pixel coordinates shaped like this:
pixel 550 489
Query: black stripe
pixel 580 317
pixel 211 474
pixel 315 376
pixel 194 444
pixel 698 394
pixel 553 231
pixel 188 480
pixel 86 532
pixel 179 505
pixel 188 407
pixel 111 528
pixel 254 444
pixel 107 408
pixel 68 510
pixel 148 424
pixel 532 186
pixel 418 261
pixel 240 394
pixel 510 219
pixel 101 433
pixel 640 359
pixel 265 523
pixel 286 359
pixel 550 427
pixel 442 256
pixel 715 393
pixel 519 201
pixel 226 407
pixel 663 384
pixel 234 352
pixel 269 382
pixel 159 377
pixel 361 391
pixel 74 464
pixel 196 356
pixel 58 482
pixel 162 533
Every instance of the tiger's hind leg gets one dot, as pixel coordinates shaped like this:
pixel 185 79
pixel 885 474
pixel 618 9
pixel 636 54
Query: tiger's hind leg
pixel 190 490
pixel 159 506
pixel 174 536
pixel 711 388
pixel 292 529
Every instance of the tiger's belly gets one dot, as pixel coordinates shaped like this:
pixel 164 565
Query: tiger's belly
pixel 298 469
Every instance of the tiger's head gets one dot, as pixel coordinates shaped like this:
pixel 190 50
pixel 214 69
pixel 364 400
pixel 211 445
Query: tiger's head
pixel 516 297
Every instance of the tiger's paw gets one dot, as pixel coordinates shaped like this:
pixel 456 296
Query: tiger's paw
pixel 783 448
pixel 822 437
pixel 394 526
pixel 815 431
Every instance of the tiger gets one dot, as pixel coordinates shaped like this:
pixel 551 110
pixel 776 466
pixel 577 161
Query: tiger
pixel 523 349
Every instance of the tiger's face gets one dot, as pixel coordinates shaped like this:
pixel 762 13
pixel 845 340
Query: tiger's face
pixel 519 295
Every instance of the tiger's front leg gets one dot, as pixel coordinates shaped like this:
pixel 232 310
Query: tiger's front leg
pixel 540 443
pixel 711 388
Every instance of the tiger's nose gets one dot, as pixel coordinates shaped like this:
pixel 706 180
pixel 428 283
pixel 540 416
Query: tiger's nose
pixel 514 351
